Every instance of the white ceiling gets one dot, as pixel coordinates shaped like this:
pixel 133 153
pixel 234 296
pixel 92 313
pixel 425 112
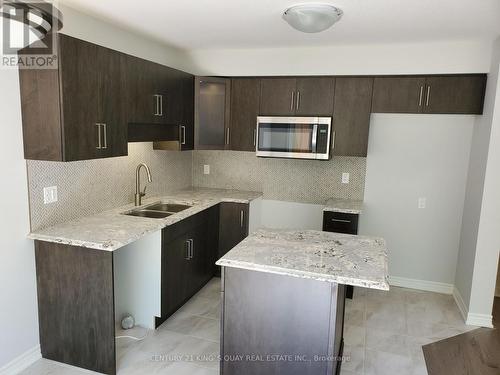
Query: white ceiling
pixel 205 24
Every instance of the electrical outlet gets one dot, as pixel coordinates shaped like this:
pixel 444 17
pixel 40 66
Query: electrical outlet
pixel 50 194
pixel 422 202
pixel 206 169
pixel 345 178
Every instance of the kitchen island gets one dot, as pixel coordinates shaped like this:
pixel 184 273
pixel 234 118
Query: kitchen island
pixel 283 299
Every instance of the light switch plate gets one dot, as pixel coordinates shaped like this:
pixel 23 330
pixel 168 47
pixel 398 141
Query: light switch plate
pixel 422 202
pixel 206 169
pixel 50 194
pixel 345 178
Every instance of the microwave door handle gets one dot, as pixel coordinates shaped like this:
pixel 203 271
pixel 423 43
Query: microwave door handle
pixel 314 140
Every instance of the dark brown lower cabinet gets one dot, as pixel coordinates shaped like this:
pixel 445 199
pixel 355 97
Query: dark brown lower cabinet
pixel 280 325
pixel 188 259
pixel 76 305
pixel 233 225
pixel 340 222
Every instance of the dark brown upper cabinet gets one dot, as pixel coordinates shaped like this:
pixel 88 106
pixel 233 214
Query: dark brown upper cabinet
pixel 77 111
pixel 351 119
pixel 278 96
pixel 453 94
pixel 245 99
pixel 314 96
pixel 398 94
pixel 304 96
pixel 212 113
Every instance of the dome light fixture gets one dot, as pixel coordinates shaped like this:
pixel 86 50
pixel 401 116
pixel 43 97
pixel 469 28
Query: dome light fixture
pixel 312 18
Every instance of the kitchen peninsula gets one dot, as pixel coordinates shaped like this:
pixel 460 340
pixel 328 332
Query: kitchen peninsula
pixel 283 299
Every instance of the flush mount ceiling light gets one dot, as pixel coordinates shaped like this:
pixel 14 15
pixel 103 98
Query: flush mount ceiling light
pixel 312 18
pixel 39 16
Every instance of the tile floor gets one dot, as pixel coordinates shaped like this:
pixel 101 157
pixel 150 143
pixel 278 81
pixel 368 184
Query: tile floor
pixel 384 332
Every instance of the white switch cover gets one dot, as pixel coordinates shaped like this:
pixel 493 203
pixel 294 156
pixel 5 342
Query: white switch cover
pixel 345 178
pixel 206 169
pixel 422 202
pixel 50 194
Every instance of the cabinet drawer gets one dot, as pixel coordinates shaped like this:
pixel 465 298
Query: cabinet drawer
pixel 340 222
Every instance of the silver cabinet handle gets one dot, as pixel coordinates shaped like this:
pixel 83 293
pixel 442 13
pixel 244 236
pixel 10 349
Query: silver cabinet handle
pixel 183 135
pixel 105 132
pixel 427 101
pixel 191 241
pixel 161 105
pixel 291 102
pixel 333 140
pixel 157 104
pixel 298 101
pixel 341 221
pixel 255 137
pixel 228 135
pixel 188 250
pixel 242 217
pixel 421 96
pixel 99 143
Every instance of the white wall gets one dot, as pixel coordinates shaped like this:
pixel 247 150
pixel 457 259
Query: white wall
pixel 291 215
pixel 475 186
pixel 137 280
pixel 488 237
pixel 18 309
pixel 413 156
pixel 417 58
pixel 88 28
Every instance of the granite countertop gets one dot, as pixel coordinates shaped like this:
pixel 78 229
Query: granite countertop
pixel 111 229
pixel 324 256
pixel 347 206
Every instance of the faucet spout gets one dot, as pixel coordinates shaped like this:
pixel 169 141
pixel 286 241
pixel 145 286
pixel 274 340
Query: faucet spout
pixel 138 193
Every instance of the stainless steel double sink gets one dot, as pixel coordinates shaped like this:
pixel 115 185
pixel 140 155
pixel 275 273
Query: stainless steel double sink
pixel 158 210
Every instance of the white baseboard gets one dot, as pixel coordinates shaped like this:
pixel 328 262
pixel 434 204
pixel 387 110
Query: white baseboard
pixel 464 311
pixel 479 320
pixel 471 319
pixel 429 286
pixel 22 362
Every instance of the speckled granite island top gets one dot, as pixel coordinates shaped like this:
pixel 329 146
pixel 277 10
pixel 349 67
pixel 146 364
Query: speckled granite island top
pixel 111 229
pixel 324 256
pixel 347 206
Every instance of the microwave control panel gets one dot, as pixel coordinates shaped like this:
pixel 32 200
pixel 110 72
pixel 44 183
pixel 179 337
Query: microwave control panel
pixel 322 139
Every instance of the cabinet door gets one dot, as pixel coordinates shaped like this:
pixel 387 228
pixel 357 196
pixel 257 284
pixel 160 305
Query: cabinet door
pixel 245 97
pixel 79 86
pixel 141 104
pixel 455 94
pixel 212 102
pixel 176 284
pixel 277 96
pixel 398 94
pixel 351 120
pixel 314 96
pixel 187 121
pixel 233 225
pixel 112 103
pixel 200 253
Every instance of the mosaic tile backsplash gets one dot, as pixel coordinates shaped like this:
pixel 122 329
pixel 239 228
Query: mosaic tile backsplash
pixel 91 186
pixel 306 181
pixel 88 187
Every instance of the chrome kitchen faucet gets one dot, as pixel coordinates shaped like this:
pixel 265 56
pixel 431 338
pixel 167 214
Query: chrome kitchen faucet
pixel 138 193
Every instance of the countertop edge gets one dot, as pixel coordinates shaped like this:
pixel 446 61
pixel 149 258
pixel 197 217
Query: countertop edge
pixel 304 274
pixel 112 245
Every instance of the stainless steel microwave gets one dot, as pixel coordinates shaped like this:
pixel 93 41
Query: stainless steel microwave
pixel 294 137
